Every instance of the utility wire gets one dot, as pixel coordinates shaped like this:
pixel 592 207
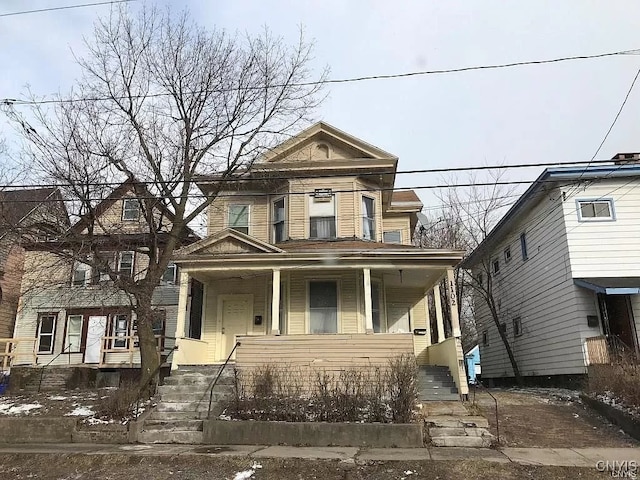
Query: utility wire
pixel 326 175
pixel 16 101
pixel 64 7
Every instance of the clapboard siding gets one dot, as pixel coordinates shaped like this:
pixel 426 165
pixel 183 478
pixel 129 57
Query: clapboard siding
pixel 327 352
pixel 621 257
pixel 540 291
pixel 398 222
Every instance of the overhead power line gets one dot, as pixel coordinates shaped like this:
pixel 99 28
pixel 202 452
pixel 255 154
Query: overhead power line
pixel 17 101
pixel 63 7
pixel 329 175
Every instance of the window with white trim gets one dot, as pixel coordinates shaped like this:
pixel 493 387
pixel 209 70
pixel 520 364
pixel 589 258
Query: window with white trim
pixel 125 264
pixel 170 275
pixel 368 218
pixel 507 254
pixel 81 274
pixel 323 307
pixel 239 218
pixel 392 236
pixel 73 337
pixel 130 209
pixel 46 332
pixel 278 216
pixel 322 217
pixel 595 210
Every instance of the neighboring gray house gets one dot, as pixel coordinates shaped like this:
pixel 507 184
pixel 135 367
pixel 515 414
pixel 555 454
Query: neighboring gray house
pixel 71 313
pixel 564 268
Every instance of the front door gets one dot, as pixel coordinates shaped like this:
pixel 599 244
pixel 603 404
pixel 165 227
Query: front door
pixel 237 311
pixel 96 328
pixel 399 318
pixel 615 311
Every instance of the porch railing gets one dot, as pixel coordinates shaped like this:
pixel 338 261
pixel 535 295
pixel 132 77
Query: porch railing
pixel 602 350
pixel 111 345
pixel 11 350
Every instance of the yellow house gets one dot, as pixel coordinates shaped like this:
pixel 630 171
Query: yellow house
pixel 309 261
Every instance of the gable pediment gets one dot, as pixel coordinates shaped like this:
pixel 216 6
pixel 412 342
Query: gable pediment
pixel 228 242
pixel 322 142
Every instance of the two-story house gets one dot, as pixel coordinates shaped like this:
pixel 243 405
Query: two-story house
pixel 309 261
pixel 564 266
pixel 72 313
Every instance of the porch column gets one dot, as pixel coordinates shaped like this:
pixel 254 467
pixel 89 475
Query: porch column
pixel 453 303
pixel 428 315
pixel 439 320
pixel 275 303
pixel 183 306
pixel 368 310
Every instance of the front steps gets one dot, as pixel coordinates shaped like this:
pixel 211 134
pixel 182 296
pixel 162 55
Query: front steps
pixel 459 431
pixel 184 403
pixel 435 383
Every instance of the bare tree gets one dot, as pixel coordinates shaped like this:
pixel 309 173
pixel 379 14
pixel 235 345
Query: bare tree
pixel 466 218
pixel 161 101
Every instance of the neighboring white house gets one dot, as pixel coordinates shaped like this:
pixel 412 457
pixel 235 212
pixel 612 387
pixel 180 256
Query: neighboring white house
pixel 564 268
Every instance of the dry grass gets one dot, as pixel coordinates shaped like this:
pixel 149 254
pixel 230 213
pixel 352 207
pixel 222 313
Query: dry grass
pixel 622 380
pixel 118 405
pixel 282 393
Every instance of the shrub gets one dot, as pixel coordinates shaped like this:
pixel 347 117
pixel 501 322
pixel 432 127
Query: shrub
pixel 120 403
pixel 281 393
pixel 622 380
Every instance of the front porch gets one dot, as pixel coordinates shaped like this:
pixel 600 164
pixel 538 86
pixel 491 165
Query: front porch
pixel 328 317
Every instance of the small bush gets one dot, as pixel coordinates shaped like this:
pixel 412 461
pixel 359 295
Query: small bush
pixel 119 404
pixel 282 393
pixel 622 380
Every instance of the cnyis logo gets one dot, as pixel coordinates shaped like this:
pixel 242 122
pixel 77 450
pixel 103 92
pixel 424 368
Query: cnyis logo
pixel 618 468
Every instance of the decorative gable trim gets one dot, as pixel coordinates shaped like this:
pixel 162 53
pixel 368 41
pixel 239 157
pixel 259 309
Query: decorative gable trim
pixel 208 244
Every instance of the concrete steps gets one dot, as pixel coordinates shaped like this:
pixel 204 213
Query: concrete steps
pixel 184 403
pixel 435 383
pixel 459 431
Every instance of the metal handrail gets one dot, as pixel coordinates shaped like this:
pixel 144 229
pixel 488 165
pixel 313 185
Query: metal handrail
pixel 495 400
pixel 215 381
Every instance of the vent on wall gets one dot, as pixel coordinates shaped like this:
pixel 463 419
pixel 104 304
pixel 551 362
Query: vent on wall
pixel 322 194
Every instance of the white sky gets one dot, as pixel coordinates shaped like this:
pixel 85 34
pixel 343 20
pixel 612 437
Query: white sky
pixel 526 114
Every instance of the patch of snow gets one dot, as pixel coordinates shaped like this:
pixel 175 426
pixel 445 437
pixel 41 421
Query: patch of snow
pixel 97 421
pixel 56 397
pixel 244 475
pixel 16 409
pixel 224 417
pixel 256 466
pixel 408 472
pixel 80 411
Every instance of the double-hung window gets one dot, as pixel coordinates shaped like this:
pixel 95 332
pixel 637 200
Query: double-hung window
pixel 81 274
pixel 239 218
pixel 323 307
pixel 125 264
pixel 74 334
pixel 595 210
pixel 368 218
pixel 322 217
pixel 130 209
pixel 170 274
pixel 120 324
pixel 279 216
pixel 46 332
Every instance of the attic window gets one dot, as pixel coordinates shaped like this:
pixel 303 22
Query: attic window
pixel 323 150
pixel 130 209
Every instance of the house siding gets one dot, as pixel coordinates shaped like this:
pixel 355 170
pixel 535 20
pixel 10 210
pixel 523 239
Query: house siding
pixel 621 257
pixel 541 292
pixel 398 222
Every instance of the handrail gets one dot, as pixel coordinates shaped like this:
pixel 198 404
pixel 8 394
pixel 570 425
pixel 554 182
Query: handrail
pixel 619 349
pixel 495 400
pixel 153 375
pixel 215 381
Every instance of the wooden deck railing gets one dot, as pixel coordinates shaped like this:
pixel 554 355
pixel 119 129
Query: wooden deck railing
pixel 130 348
pixel 10 350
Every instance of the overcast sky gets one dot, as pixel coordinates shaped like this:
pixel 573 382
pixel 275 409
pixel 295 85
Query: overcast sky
pixel 528 114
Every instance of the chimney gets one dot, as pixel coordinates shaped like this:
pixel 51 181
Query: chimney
pixel 626 158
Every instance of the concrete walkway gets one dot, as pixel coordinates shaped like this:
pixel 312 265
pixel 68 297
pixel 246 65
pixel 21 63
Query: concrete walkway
pixel 570 457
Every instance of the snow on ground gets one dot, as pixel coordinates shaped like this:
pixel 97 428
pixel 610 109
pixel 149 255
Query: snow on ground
pixel 546 393
pixel 18 408
pixel 56 398
pixel 80 411
pixel 610 399
pixel 247 474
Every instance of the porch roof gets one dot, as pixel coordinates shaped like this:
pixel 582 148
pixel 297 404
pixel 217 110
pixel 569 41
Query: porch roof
pixel 611 285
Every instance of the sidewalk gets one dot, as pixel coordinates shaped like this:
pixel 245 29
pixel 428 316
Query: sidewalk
pixel 569 457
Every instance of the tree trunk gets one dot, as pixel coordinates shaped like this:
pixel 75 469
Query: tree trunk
pixel 149 354
pixel 505 342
